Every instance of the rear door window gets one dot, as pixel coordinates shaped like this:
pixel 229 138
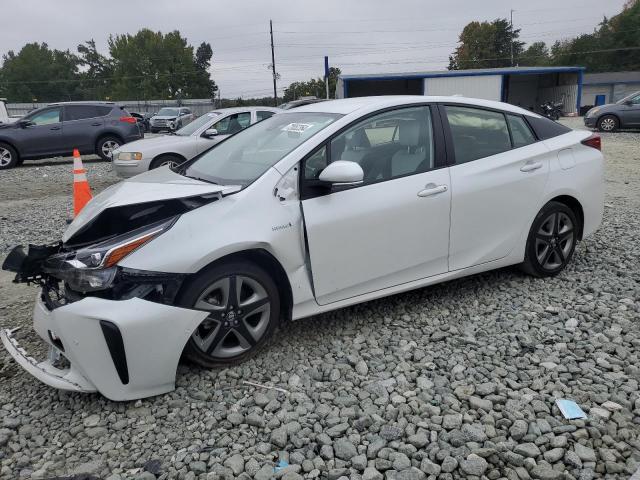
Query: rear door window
pixel 80 112
pixel 520 132
pixel 477 133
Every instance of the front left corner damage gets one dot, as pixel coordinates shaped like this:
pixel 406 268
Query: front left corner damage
pixel 127 349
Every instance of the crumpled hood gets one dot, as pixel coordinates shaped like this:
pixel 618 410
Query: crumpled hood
pixel 158 184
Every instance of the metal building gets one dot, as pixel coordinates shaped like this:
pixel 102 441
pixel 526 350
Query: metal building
pixel 527 87
pixel 603 88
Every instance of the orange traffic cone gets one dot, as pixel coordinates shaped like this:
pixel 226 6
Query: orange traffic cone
pixel 81 190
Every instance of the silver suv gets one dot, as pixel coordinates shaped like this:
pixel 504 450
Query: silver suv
pixel 170 119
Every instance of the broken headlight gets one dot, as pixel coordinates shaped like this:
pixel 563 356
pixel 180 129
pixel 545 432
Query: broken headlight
pixel 93 268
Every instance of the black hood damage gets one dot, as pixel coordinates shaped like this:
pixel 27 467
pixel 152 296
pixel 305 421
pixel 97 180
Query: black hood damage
pixel 115 221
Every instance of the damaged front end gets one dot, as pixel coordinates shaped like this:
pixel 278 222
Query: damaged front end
pixel 117 327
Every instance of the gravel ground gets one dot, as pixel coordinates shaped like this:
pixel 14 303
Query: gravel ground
pixel 452 381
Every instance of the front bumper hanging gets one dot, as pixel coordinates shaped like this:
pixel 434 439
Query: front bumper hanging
pixel 45 371
pixel 124 349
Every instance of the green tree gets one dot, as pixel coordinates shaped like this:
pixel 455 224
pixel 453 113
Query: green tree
pixel 37 72
pixel 156 65
pixel 486 45
pixel 314 87
pixel 613 46
pixel 536 54
pixel 96 71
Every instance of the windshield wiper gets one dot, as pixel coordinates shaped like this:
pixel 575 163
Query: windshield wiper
pixel 202 179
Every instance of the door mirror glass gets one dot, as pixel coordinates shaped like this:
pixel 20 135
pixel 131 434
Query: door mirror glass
pixel 210 133
pixel 342 172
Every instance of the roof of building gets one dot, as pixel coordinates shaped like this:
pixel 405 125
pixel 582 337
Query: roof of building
pixel 611 77
pixel 463 73
pixel 346 106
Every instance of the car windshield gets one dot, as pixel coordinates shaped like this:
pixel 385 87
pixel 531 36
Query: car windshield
pixel 168 112
pixel 199 122
pixel 244 157
pixel 628 97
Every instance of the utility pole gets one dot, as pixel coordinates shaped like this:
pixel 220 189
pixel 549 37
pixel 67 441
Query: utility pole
pixel 326 75
pixel 510 37
pixel 273 66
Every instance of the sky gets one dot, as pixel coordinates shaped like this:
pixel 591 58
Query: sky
pixel 359 36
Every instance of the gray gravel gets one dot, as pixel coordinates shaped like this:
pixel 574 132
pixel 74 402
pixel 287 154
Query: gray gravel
pixel 452 381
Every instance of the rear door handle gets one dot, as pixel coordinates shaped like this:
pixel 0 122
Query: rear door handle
pixel 432 189
pixel 54 128
pixel 531 166
pixel 96 124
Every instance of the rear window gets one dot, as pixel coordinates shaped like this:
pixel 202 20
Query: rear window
pixel 546 128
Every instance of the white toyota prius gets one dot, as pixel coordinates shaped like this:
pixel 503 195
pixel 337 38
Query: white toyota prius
pixel 311 210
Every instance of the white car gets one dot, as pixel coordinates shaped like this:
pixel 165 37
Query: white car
pixel 191 140
pixel 311 210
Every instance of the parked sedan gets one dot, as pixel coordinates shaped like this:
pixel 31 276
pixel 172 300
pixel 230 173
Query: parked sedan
pixel 170 119
pixel 189 141
pixel 59 128
pixel 311 210
pixel 624 113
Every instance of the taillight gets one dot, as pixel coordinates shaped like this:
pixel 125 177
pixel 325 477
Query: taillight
pixel 128 119
pixel 594 141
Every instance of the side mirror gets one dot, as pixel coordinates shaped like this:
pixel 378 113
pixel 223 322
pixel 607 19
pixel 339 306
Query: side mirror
pixel 342 173
pixel 629 103
pixel 25 123
pixel 210 133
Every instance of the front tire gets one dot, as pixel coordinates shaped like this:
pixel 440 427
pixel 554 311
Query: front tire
pixel 106 145
pixel 244 310
pixel 552 240
pixel 608 123
pixel 8 157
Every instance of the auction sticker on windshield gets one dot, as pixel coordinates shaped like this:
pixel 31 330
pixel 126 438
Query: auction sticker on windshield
pixel 297 127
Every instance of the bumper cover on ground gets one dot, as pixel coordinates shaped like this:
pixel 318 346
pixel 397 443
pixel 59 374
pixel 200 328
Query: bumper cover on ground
pixel 152 336
pixel 45 371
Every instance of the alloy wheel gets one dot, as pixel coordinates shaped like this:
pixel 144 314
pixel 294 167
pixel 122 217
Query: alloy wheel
pixel 5 157
pixel 239 314
pixel 608 124
pixel 172 164
pixel 554 241
pixel 108 147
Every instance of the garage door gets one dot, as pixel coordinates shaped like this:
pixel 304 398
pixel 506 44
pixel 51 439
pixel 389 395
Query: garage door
pixel 488 87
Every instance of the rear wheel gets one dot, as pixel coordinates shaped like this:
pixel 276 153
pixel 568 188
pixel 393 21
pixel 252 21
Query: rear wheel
pixel 552 240
pixel 172 160
pixel 608 123
pixel 8 157
pixel 106 146
pixel 244 310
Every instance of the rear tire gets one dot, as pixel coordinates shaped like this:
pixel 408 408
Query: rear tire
pixel 171 160
pixel 551 241
pixel 8 157
pixel 608 123
pixel 106 145
pixel 239 324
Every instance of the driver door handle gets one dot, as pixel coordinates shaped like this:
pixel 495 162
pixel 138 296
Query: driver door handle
pixel 432 189
pixel 54 128
pixel 531 166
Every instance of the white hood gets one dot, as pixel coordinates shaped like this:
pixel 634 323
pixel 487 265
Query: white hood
pixel 158 184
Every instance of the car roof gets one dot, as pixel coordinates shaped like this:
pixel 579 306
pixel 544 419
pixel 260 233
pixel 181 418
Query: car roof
pixel 225 111
pixel 346 106
pixel 81 103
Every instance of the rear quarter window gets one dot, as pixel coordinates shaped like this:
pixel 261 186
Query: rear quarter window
pixel 545 128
